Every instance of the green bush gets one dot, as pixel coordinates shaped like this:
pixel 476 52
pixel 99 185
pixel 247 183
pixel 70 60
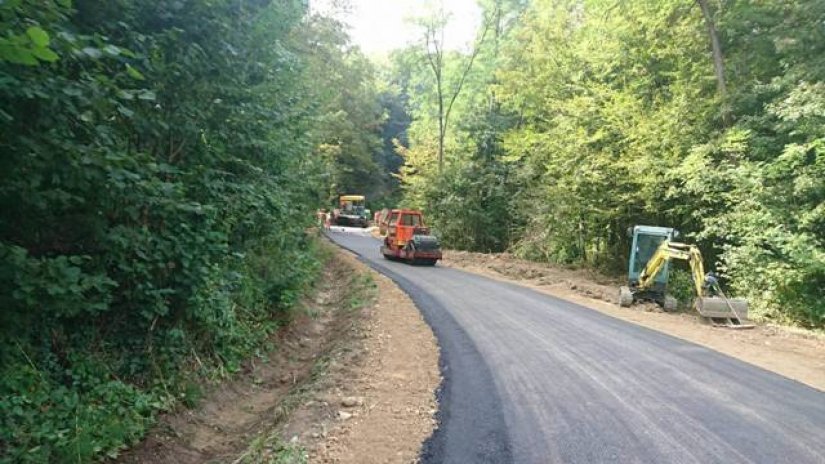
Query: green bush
pixel 71 421
pixel 680 285
pixel 155 187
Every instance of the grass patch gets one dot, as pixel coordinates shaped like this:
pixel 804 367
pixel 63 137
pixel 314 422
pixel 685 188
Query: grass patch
pixel 363 291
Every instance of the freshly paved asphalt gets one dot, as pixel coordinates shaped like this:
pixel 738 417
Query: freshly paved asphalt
pixel 529 378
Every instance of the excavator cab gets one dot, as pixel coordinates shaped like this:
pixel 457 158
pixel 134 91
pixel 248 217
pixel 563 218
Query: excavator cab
pixel 645 242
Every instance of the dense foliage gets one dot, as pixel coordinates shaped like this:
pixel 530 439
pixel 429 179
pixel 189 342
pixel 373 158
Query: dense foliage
pixel 583 118
pixel 160 164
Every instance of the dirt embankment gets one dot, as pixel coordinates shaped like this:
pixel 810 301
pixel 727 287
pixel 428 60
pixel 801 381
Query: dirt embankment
pixel 351 380
pixel 794 353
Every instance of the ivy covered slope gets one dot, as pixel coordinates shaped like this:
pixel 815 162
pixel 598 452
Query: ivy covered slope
pixel 580 119
pixel 160 161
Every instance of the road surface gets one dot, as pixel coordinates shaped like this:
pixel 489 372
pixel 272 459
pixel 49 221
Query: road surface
pixel 529 378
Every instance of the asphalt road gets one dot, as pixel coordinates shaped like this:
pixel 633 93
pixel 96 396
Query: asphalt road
pixel 529 378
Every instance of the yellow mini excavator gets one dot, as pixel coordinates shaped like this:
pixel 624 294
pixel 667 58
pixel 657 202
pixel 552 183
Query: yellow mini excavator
pixel 650 254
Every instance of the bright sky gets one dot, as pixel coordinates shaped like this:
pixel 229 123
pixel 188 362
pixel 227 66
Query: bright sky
pixel 379 26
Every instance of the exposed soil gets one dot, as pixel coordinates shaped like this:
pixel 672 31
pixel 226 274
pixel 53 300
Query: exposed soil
pixel 352 380
pixel 795 353
pixel 382 408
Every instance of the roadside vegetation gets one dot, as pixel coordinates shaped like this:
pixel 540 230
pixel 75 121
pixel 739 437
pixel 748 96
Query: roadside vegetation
pixel 579 119
pixel 161 162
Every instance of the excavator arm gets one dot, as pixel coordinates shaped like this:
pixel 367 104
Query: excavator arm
pixel 673 250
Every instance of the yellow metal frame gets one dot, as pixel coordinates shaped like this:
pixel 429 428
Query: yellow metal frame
pixel 672 250
pixel 352 198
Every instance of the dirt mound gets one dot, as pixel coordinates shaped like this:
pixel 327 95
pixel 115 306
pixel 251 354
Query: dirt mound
pixel 583 282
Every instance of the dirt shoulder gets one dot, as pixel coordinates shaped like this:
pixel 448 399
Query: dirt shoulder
pixel 352 379
pixel 377 405
pixel 794 353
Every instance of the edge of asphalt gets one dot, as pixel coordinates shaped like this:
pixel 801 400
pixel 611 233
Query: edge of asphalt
pixel 482 438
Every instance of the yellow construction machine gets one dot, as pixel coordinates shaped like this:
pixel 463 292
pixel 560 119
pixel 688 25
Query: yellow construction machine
pixel 651 251
pixel 351 212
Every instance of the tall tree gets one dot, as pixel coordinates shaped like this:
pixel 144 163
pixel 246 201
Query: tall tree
pixel 343 84
pixel 434 44
pixel 718 59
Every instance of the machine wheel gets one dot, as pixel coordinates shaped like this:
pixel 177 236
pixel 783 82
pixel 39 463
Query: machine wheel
pixel 670 303
pixel 625 297
pixel 410 249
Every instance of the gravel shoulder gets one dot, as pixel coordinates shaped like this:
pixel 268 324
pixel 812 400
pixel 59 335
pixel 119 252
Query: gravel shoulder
pixel 794 353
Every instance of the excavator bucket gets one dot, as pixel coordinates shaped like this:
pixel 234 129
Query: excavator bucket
pixel 720 310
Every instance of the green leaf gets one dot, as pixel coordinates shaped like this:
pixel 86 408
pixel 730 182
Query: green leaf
pixel 45 54
pixel 127 53
pixel 38 36
pixel 112 50
pixel 72 91
pixel 92 52
pixel 134 73
pixel 147 95
pixel 20 56
pixel 125 111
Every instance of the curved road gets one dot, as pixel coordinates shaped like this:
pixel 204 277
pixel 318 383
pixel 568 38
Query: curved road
pixel 529 378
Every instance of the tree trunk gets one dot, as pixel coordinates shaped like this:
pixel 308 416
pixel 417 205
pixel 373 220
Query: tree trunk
pixel 435 55
pixel 718 60
pixel 441 128
pixel 441 131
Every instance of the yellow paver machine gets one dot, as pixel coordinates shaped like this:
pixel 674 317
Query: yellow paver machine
pixel 351 211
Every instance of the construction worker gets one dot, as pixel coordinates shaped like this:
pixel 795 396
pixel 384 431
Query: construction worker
pixel 711 284
pixel 321 216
